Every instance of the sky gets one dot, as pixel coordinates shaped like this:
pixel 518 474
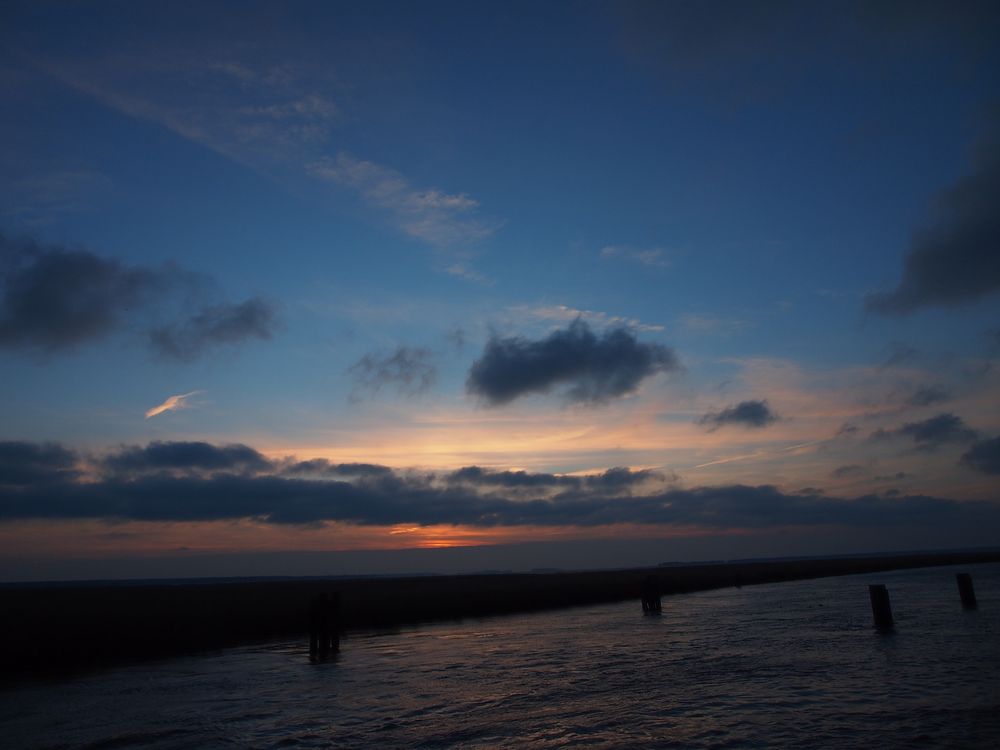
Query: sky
pixel 311 288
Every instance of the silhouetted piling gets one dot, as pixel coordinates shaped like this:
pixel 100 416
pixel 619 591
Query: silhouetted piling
pixel 966 591
pixel 881 609
pixel 324 625
pixel 651 595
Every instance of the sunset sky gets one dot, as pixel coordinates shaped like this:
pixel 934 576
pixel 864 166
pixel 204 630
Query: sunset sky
pixel 592 283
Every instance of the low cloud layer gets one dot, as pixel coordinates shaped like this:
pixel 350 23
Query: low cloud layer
pixel 956 259
pixel 55 299
pixel 754 414
pixel 202 482
pixel 931 434
pixel 409 370
pixel 590 368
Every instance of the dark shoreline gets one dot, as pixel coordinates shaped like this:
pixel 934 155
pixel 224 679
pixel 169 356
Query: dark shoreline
pixel 55 631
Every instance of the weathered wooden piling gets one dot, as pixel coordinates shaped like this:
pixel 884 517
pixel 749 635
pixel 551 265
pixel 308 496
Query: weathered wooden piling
pixel 881 609
pixel 966 591
pixel 651 595
pixel 324 625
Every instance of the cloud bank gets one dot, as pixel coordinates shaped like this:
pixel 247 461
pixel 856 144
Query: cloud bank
pixel 200 482
pixel 593 369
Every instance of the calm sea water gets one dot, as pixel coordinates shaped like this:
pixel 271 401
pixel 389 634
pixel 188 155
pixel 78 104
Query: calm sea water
pixel 791 665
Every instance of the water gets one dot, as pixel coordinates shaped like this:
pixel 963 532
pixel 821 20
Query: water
pixel 792 665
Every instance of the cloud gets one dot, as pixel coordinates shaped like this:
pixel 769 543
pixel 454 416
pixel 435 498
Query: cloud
pixel 432 216
pixel 200 482
pixel 934 394
pixel 899 353
pixel 931 434
pixel 171 404
pixel 984 456
pixel 566 314
pixel 850 470
pixel 185 458
pixel 55 299
pixel 593 368
pixel 755 414
pixel 651 257
pixel 224 324
pixel 409 369
pixel 956 259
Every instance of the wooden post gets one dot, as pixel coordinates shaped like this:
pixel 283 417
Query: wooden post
pixel 966 591
pixel 881 609
pixel 651 595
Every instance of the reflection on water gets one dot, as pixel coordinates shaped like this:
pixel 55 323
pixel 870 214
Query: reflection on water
pixel 792 664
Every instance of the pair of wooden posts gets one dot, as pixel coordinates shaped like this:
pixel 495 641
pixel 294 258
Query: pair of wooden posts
pixel 882 611
pixel 651 595
pixel 324 625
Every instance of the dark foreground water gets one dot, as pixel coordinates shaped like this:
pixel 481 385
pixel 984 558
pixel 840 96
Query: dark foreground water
pixel 791 665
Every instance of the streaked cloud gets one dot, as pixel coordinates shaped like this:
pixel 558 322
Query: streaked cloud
pixel 173 403
pixel 410 370
pixel 563 314
pixel 654 257
pixel 432 216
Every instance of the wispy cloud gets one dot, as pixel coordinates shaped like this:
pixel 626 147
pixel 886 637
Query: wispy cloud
pixel 437 218
pixel 409 369
pixel 173 403
pixel 562 314
pixel 653 257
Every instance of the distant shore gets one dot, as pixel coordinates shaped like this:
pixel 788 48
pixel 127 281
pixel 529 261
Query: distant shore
pixel 54 630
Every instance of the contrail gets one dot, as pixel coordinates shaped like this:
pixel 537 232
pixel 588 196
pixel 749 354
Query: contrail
pixel 172 403
pixel 758 454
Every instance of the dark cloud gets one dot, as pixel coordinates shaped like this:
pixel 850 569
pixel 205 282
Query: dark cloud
pixel 410 370
pixel 934 394
pixel 36 463
pixel 592 368
pixel 185 458
pixel 984 456
pixel 932 433
pixel 52 298
pixel 196 482
pixel 956 259
pixel 847 429
pixel 850 470
pixel 746 414
pixel 899 475
pixel 213 326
